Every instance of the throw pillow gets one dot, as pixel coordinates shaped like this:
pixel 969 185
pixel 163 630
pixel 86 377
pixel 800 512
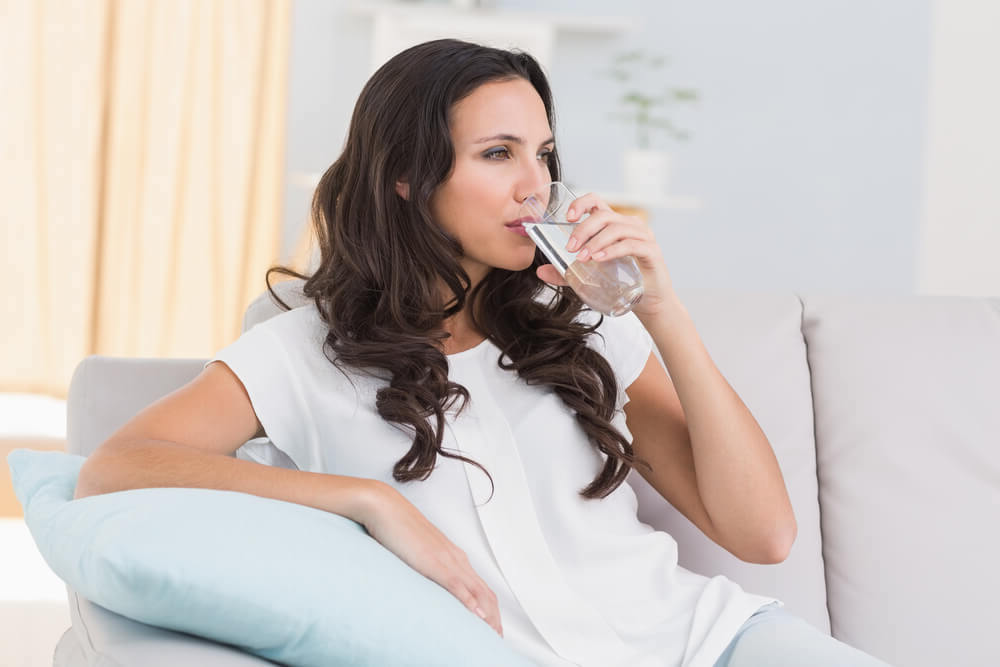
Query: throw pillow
pixel 283 581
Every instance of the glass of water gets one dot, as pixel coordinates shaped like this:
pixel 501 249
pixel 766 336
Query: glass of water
pixel 611 287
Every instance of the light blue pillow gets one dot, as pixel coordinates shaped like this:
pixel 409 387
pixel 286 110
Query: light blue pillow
pixel 283 581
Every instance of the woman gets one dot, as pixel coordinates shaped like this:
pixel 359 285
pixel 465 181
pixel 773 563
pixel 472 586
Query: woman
pixel 445 389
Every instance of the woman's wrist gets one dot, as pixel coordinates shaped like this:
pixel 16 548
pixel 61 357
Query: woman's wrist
pixel 667 310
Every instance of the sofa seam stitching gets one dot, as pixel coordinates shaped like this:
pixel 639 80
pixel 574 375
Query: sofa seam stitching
pixel 819 498
pixel 83 623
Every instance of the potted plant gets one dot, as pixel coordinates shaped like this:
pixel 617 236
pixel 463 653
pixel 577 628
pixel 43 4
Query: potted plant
pixel 646 169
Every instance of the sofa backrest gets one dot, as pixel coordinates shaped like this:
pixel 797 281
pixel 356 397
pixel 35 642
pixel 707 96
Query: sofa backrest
pixel 906 393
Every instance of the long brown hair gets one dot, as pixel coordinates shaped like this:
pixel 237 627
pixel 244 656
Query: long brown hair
pixel 383 259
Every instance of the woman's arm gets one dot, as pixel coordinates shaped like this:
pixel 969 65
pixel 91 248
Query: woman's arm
pixel 122 464
pixel 184 439
pixel 710 458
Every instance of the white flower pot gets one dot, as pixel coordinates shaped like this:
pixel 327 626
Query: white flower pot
pixel 646 173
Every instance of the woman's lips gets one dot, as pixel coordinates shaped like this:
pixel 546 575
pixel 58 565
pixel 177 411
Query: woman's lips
pixel 517 227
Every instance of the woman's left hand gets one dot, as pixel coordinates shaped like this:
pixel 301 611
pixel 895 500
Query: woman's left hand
pixel 607 235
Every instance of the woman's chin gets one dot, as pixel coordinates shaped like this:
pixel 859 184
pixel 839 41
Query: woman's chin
pixel 514 262
pixel 525 264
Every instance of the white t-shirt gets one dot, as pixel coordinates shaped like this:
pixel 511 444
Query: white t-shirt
pixel 579 582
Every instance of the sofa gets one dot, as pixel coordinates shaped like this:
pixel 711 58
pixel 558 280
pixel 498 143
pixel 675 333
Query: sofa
pixel 884 414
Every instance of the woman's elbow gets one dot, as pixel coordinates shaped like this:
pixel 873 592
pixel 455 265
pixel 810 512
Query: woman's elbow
pixel 88 481
pixel 779 546
pixel 94 473
pixel 775 547
pixel 777 553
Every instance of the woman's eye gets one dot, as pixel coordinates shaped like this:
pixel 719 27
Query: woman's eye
pixel 498 154
pixel 545 155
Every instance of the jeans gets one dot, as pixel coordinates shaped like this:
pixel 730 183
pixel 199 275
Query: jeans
pixel 777 638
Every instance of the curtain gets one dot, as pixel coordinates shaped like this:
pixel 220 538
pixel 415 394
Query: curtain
pixel 141 177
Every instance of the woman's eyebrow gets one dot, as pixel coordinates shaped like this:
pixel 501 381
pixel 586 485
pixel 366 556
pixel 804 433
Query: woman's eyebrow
pixel 512 138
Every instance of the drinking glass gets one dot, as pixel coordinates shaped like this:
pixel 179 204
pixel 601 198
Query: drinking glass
pixel 611 287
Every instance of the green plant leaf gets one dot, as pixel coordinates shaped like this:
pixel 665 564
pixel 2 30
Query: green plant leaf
pixel 635 97
pixel 628 56
pixel 685 94
pixel 636 105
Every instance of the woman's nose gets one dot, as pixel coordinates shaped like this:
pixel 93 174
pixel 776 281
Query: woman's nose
pixel 534 180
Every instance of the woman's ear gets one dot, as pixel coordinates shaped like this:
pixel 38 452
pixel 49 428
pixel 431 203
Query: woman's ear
pixel 403 189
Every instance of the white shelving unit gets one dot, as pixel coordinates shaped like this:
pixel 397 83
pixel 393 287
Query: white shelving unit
pixel 401 25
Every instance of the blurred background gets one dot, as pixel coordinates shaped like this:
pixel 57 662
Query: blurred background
pixel 157 156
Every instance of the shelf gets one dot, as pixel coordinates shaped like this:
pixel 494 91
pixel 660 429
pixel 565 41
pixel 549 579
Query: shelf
pixel 398 26
pixel 640 201
pixel 443 11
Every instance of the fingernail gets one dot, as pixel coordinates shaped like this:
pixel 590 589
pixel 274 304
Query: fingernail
pixel 481 613
pixel 571 212
pixel 584 254
pixel 572 245
pixel 599 255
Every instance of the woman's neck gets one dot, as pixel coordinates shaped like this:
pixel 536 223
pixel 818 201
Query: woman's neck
pixel 463 335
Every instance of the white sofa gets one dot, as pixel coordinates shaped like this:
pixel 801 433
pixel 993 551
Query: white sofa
pixel 884 413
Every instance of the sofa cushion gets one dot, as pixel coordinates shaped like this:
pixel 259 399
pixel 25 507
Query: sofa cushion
pixel 283 581
pixel 102 638
pixel 906 397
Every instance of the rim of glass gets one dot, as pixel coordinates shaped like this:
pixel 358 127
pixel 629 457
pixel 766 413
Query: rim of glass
pixel 557 191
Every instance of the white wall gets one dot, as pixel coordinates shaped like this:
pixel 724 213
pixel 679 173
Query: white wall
pixel 959 249
pixel 325 77
pixel 807 147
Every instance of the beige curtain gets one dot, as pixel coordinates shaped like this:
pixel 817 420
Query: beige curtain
pixel 142 175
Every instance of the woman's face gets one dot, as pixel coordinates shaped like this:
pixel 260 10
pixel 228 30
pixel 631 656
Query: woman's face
pixel 502 143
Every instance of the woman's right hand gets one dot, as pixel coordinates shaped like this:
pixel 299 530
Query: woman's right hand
pixel 401 528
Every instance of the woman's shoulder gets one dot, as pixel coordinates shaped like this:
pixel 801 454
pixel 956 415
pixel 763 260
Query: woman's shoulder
pixel 299 331
pixel 299 319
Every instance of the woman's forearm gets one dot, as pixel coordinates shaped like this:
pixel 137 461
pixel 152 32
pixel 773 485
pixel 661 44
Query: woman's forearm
pixel 738 478
pixel 136 464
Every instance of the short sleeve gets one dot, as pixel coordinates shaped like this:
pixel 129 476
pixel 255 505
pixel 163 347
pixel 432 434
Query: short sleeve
pixel 626 345
pixel 261 361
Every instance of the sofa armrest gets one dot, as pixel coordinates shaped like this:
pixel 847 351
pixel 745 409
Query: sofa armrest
pixel 102 638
